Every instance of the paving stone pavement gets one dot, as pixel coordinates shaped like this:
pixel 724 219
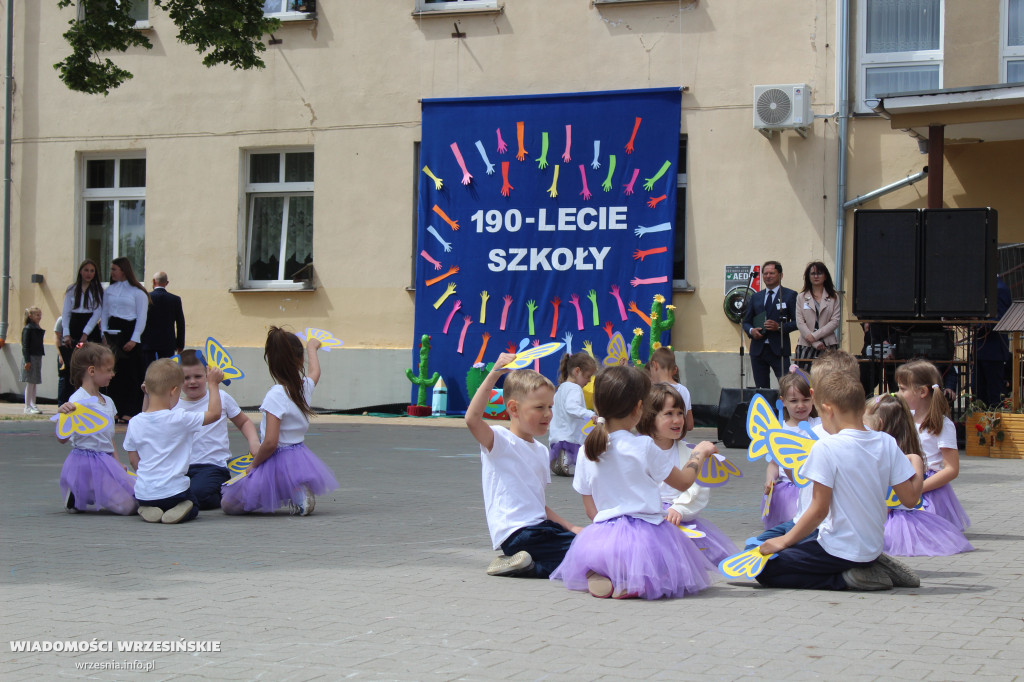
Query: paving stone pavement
pixel 385 581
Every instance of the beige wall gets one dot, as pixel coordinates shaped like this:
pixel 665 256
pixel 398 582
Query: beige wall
pixel 348 85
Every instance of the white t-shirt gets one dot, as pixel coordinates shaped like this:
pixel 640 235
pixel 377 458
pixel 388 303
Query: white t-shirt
pixel 514 474
pixel 691 501
pixel 932 444
pixel 625 480
pixel 211 445
pixel 293 423
pixel 102 440
pixel 569 414
pixel 859 467
pixel 803 497
pixel 163 440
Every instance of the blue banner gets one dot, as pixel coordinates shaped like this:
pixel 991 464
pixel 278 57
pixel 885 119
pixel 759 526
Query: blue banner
pixel 545 218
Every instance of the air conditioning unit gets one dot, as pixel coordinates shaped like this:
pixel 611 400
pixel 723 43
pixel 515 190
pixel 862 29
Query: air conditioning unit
pixel 782 107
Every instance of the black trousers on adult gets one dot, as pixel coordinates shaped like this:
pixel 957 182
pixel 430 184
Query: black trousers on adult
pixel 76 325
pixel 767 361
pixel 126 386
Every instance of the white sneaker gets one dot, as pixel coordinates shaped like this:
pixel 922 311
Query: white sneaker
pixel 32 409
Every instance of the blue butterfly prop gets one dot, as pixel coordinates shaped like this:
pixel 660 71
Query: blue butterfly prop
pixel 770 441
pixel 219 358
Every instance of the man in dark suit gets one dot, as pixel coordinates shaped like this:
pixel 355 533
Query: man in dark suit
pixel 165 327
pixel 772 309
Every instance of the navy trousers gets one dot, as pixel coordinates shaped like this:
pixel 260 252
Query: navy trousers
pixel 205 481
pixel 547 543
pixel 806 566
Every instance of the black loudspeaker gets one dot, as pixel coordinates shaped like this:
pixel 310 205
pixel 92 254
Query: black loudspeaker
pixel 959 262
pixel 886 263
pixel 732 414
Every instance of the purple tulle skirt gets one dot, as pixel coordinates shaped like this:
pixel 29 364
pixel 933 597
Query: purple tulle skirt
pixel 944 502
pixel 918 533
pixel 716 546
pixel 638 557
pixel 272 484
pixel 96 479
pixel 783 506
pixel 570 449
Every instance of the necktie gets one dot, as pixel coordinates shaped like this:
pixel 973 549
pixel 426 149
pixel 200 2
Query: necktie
pixel 768 309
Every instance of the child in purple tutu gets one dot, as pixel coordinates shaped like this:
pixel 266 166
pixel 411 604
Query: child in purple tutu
pixel 159 443
pixel 515 470
pixel 630 551
pixel 910 532
pixel 797 406
pixel 283 469
pixel 92 474
pixel 664 420
pixel 919 383
pixel 570 413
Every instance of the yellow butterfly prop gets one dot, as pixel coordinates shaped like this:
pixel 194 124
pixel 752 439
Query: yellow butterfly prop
pixel 768 500
pixel 790 450
pixel 770 441
pixel 745 564
pixel 83 421
pixel 618 354
pixel 587 428
pixel 716 472
pixel 525 358
pixel 235 479
pixel 692 533
pixel 240 464
pixel 893 502
pixel 219 358
pixel 760 421
pixel 327 340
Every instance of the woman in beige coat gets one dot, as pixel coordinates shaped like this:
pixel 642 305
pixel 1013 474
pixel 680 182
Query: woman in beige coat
pixel 817 313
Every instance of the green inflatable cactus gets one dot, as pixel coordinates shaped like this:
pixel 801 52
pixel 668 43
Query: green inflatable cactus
pixel 421 380
pixel 662 319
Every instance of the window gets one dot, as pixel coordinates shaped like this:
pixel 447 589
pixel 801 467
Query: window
pixel 114 210
pixel 279 218
pixel 455 5
pixel 900 48
pixel 1012 43
pixel 138 9
pixel 283 9
pixel 679 257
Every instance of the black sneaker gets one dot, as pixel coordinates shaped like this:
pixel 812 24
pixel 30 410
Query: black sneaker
pixel 520 562
pixel 900 574
pixel 867 578
pixel 69 503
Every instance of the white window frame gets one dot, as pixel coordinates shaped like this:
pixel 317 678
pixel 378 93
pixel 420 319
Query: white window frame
pixel 115 194
pixel 423 7
pixel 251 190
pixel 866 60
pixel 289 15
pixel 1007 53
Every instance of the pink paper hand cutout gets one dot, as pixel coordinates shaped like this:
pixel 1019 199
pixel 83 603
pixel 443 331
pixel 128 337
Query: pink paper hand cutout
pixel 654 201
pixel 555 302
pixel 536 363
pixel 504 314
pixel 455 308
pixel 618 299
pixel 575 301
pixel 454 224
pixel 632 139
pixel 466 177
pixel 637 281
pixel 640 254
pixel 520 135
pixel 642 314
pixel 567 156
pixel 434 280
pixel 629 185
pixel 462 337
pixel 585 193
pixel 483 347
pixel 426 256
pixel 502 147
pixel 505 186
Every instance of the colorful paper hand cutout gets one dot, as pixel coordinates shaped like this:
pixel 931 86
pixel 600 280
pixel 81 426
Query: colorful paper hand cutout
pixel 502 147
pixel 596 163
pixel 592 296
pixel 434 280
pixel 632 138
pixel 618 353
pixel 567 155
pixel 609 329
pixel 746 564
pixel 447 247
pixel 637 281
pixel 555 302
pixel 466 177
pixel 531 306
pixel 83 421
pixel 526 357
pixel 542 162
pixel 506 187
pixel 588 348
pixel 520 135
pixel 663 227
pixel 427 257
pixel 484 297
pixel 327 340
pixel 568 343
pixel 585 192
pixel 553 189
pixel 504 311
pixel 632 181
pixel 483 347
pixel 642 314
pixel 467 320
pixel 607 184
pixel 219 358
pixel 654 201
pixel 447 292
pixel 716 472
pixel 575 301
pixel 438 182
pixel 455 309
pixel 483 155
pixel 454 224
pixel 649 182
pixel 618 299
pixel 640 254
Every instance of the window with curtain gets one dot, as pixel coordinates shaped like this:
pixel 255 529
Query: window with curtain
pixel 114 210
pixel 279 219
pixel 456 5
pixel 286 7
pixel 900 48
pixel 1013 41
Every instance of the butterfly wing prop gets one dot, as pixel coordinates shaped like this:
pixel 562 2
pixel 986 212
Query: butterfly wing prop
pixel 893 502
pixel 692 533
pixel 83 421
pixel 327 340
pixel 768 500
pixel 790 450
pixel 716 472
pixel 235 479
pixel 240 464
pixel 219 358
pixel 760 420
pixel 746 564
pixel 618 354
pixel 587 428
pixel 525 358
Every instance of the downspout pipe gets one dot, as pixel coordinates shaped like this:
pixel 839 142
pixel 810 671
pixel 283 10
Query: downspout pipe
pixel 5 276
pixel 842 131
pixel 881 191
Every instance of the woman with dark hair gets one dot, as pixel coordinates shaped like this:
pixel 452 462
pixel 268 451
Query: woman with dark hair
pixel 80 318
pixel 125 307
pixel 817 314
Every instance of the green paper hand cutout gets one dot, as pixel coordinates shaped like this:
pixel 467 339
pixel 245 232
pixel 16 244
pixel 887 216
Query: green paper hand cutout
pixel 649 182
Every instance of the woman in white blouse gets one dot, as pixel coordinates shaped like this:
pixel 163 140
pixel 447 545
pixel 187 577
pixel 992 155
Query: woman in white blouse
pixel 80 316
pixel 125 307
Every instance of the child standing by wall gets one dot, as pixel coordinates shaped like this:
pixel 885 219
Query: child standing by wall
pixel 159 443
pixel 570 412
pixel 629 550
pixel 532 537
pixel 797 407
pixel 851 471
pixel 33 338
pixel 909 532
pixel 920 386
pixel 92 473
pixel 664 370
pixel 283 469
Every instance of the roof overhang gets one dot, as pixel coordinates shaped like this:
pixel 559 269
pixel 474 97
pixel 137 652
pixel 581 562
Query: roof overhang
pixel 984 113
